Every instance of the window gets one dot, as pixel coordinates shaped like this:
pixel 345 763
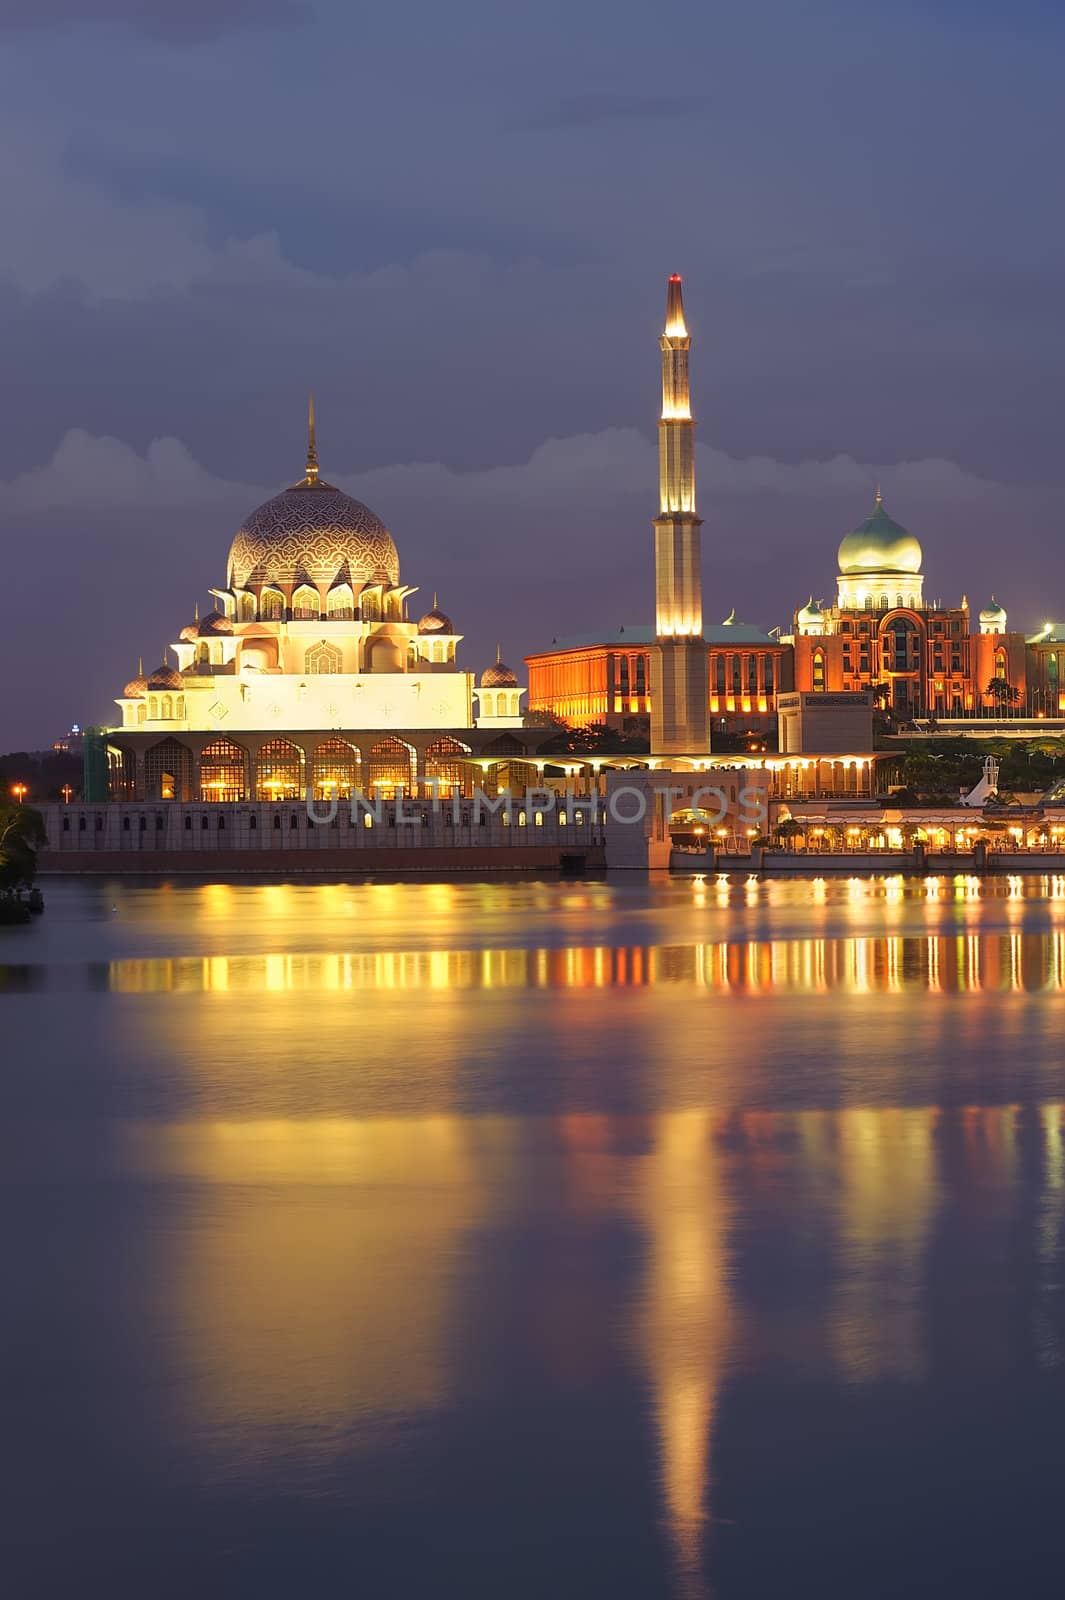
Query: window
pixel 280 771
pixel 340 603
pixel 752 674
pixel 323 658
pixel 444 765
pixel 391 768
pixel 819 671
pixel 271 605
pixel 623 675
pixel 370 605
pixel 306 603
pixel 223 771
pixel 769 678
pixel 641 675
pixel 336 769
pixel 719 674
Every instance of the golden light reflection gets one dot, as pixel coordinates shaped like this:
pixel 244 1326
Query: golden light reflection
pixel 878 964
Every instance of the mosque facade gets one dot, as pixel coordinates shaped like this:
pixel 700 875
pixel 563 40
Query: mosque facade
pixel 311 673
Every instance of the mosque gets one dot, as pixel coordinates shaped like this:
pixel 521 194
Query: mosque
pixel 311 673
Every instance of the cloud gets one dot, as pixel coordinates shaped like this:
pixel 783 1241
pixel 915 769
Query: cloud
pixel 178 21
pixel 558 476
pixel 100 473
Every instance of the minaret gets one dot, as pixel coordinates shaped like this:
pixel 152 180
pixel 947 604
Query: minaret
pixel 680 683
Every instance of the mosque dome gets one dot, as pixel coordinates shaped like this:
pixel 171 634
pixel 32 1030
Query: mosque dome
pixel 136 688
pixel 189 632
pixel 810 612
pixel 436 621
pixel 879 544
pixel 165 677
pixel 498 676
pixel 993 617
pixel 214 622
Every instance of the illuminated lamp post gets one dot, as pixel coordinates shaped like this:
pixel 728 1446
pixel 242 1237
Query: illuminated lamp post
pixel 66 791
pixel 19 791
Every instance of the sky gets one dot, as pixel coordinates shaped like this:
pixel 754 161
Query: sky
pixel 455 223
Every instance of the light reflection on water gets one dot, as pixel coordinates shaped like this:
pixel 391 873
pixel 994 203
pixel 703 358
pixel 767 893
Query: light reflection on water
pixel 516 1250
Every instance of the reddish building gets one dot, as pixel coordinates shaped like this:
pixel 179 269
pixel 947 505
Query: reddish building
pixel 606 677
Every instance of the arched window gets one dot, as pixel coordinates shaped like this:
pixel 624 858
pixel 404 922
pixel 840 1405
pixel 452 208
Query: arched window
pixel 280 771
pixel 153 707
pixel 391 768
pixel 246 607
pixel 443 762
pixel 306 603
pixel 1001 670
pixel 819 671
pixel 179 706
pixel 323 658
pixel 370 605
pixel 883 602
pixel 271 605
pixel 166 706
pixel 223 771
pixel 167 771
pixel 203 654
pixel 336 769
pixel 340 603
pixel 719 673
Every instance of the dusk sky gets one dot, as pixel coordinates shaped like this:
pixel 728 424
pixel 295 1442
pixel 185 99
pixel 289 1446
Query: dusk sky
pixel 455 223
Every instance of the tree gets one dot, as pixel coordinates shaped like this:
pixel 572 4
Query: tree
pixel 1003 693
pixel 21 834
pixel 787 830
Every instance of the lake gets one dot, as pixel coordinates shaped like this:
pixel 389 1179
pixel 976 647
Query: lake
pixel 697 1238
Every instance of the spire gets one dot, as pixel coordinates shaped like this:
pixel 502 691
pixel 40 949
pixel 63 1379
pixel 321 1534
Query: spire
pixel 435 601
pixel 312 443
pixel 196 616
pixel 879 496
pixel 499 655
pixel 675 328
pixel 140 666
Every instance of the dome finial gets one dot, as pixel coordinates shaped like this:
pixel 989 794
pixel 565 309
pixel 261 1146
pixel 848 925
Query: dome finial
pixel 140 666
pixel 196 615
pixel 312 442
pixel 499 654
pixel 435 601
pixel 879 496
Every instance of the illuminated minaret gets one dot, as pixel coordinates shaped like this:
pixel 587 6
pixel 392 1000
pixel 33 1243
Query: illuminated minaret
pixel 680 686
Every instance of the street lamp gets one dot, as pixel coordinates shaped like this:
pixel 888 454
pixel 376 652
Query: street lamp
pixel 19 791
pixel 66 791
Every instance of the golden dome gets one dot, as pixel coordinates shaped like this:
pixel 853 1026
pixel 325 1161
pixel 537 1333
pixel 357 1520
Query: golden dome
pixel 312 532
pixel 136 688
pixel 498 676
pixel 436 621
pixel 165 677
pixel 879 544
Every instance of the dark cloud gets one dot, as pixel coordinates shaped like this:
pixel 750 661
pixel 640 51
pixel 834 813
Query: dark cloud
pixel 179 21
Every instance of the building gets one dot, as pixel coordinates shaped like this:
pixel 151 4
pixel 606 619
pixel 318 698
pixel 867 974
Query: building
pixel 880 634
pixel 309 673
pixel 606 677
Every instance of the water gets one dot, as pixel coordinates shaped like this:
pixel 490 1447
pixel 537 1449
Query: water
pixel 534 1239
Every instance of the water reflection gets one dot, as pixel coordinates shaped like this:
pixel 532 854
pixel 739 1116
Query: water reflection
pixel 958 962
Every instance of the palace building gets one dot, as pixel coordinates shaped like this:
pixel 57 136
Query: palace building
pixel 310 673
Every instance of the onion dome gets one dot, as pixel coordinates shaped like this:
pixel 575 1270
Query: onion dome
pixel 436 621
pixel 136 688
pixel 810 614
pixel 314 531
pixel 214 622
pixel 993 618
pixel 165 677
pixel 190 632
pixel 498 675
pixel 879 544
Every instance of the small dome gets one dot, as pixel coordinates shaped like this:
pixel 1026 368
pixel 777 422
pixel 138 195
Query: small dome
pixel 215 622
pixel 498 676
pixel 992 615
pixel 189 632
pixel 165 677
pixel 810 612
pixel 436 621
pixel 136 688
pixel 879 544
